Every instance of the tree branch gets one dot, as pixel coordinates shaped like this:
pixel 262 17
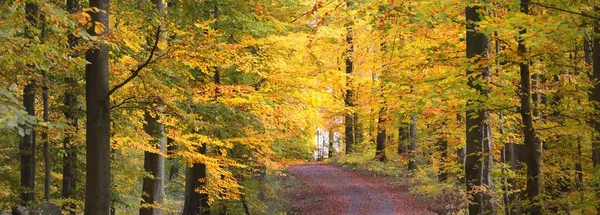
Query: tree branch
pixel 136 72
pixel 564 10
pixel 125 101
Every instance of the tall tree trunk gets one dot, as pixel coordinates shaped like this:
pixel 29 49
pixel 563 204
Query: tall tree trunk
pixel 154 163
pixel 44 135
pixel 70 112
pixel 381 134
pixel 245 204
pixel 476 117
pixel 508 183
pixel 70 155
pixel 27 146
pixel 533 151
pixel 596 99
pixel 97 189
pixel 196 203
pixel 587 50
pixel 331 150
pixel 172 148
pixel 46 151
pixel 350 118
pixel 443 144
pixel 403 134
pixel 487 157
pixel 27 149
pixel 412 163
pixel 579 168
pixel 509 158
pixel 381 130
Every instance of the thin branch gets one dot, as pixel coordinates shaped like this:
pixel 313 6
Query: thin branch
pixel 314 9
pixel 125 101
pixel 154 98
pixel 136 72
pixel 505 108
pixel 564 10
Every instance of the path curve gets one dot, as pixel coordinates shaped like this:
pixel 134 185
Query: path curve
pixel 334 190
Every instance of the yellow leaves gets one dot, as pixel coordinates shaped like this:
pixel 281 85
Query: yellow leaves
pixel 84 18
pixel 93 10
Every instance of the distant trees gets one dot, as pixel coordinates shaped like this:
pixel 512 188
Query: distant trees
pixel 351 116
pixel 232 87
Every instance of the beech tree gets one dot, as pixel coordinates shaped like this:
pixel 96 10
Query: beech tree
pixel 231 91
pixel 476 174
pixel 351 117
pixel 27 146
pixel 97 186
pixel 153 187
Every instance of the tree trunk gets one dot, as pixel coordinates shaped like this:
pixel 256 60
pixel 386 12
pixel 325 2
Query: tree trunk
pixel 476 117
pixel 443 144
pixel 510 158
pixel 579 168
pixel 596 99
pixel 172 148
pixel 196 203
pixel 27 146
pixel 532 146
pixel 97 191
pixel 153 187
pixel 245 204
pixel 331 150
pixel 154 163
pixel 381 135
pixel 47 163
pixel 412 163
pixel 70 112
pixel 27 149
pixel 350 117
pixel 587 50
pixel 70 155
pixel 487 157
pixel 403 134
pixel 381 131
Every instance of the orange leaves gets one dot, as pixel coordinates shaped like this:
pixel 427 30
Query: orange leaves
pixel 83 18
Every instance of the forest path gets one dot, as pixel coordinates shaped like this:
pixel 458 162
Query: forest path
pixel 334 190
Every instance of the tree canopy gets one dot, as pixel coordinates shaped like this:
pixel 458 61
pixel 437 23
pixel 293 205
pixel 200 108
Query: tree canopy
pixel 171 106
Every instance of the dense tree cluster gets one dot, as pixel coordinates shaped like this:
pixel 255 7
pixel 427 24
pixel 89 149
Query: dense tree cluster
pixel 172 106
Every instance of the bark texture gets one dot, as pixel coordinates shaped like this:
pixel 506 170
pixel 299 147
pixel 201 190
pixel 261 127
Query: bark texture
pixel 531 142
pixel 71 115
pixel 196 203
pixel 97 194
pixel 595 97
pixel 476 170
pixel 351 116
pixel 412 149
pixel 27 146
pixel 154 164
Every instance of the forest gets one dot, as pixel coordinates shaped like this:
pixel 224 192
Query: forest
pixel 199 106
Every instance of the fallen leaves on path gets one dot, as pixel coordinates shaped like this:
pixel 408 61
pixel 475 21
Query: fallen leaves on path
pixel 334 190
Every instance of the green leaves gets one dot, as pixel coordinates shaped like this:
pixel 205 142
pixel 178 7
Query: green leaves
pixel 12 115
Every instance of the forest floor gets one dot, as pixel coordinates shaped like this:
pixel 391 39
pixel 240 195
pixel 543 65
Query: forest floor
pixel 329 189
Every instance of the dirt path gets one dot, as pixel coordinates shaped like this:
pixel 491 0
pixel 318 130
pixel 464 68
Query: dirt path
pixel 333 190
